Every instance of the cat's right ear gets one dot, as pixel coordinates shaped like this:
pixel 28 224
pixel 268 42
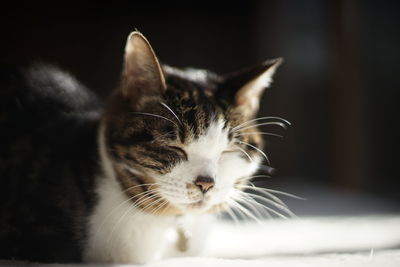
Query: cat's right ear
pixel 142 76
pixel 243 89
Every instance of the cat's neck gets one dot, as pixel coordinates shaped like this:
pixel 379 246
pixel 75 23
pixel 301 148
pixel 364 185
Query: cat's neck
pixel 105 163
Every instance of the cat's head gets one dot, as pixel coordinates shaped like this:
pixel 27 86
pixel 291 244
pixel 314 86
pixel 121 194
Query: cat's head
pixel 181 141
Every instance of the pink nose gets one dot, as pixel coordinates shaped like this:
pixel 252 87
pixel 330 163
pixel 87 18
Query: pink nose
pixel 204 183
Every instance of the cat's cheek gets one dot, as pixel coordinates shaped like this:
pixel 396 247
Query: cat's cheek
pixel 221 194
pixel 232 167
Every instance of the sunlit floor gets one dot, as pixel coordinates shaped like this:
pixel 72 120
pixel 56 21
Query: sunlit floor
pixel 333 228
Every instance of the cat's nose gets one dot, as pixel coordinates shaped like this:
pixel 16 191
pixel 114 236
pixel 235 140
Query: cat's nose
pixel 204 183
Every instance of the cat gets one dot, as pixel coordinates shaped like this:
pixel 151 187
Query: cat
pixel 134 180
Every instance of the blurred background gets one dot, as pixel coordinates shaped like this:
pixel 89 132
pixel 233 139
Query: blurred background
pixel 339 85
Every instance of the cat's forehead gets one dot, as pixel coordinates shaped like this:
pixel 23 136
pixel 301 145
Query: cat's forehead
pixel 199 78
pixel 212 141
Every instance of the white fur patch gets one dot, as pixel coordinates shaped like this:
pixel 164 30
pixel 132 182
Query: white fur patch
pixel 120 232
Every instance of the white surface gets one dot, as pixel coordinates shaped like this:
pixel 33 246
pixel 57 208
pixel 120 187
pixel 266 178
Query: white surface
pixel 317 241
pixel 306 235
pixel 381 259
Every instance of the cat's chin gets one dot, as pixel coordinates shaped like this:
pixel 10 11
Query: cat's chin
pixel 197 207
pixel 202 207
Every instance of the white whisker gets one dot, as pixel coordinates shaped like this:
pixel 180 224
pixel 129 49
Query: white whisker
pixel 162 212
pixel 244 152
pixel 267 194
pixel 256 148
pixel 273 211
pixel 135 204
pixel 155 115
pixel 269 191
pixel 157 208
pixel 284 194
pixel 254 202
pixel 248 178
pixel 232 214
pixel 123 202
pixel 138 185
pixel 245 211
pixel 237 211
pixel 261 133
pixel 263 124
pixel 252 205
pixel 283 208
pixel 257 119
pixel 163 135
pixel 142 199
pixel 173 113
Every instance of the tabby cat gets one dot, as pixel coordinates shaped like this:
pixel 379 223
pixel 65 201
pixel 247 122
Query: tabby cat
pixel 131 181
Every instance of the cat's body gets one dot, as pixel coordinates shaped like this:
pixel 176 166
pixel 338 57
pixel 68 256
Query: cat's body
pixel 133 181
pixel 48 163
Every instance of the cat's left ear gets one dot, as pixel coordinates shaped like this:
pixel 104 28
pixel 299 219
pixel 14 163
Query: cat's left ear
pixel 142 75
pixel 243 89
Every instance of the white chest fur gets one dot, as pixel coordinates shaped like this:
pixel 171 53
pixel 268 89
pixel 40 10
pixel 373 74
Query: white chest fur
pixel 119 232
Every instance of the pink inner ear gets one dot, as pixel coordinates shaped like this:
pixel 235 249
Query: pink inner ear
pixel 241 100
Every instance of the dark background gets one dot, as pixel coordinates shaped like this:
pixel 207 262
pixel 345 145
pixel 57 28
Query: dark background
pixel 339 85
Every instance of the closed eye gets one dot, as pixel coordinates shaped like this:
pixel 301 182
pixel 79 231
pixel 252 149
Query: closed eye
pixel 238 150
pixel 180 151
pixel 230 151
